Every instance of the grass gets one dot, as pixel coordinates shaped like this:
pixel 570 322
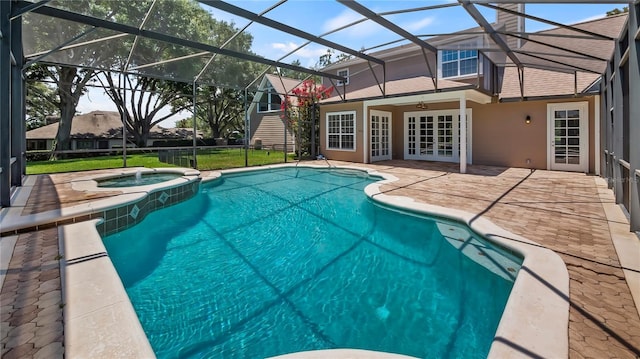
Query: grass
pixel 208 159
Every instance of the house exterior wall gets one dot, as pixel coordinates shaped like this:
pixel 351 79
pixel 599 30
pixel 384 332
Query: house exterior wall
pixel 353 156
pixel 402 66
pixel 269 128
pixel 500 136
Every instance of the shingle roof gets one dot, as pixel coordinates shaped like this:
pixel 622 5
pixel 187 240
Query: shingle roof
pixel 414 85
pixel 541 83
pixel 283 85
pixel 610 26
pixel 102 124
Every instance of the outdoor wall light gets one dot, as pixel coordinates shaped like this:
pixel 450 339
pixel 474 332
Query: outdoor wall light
pixel 527 119
pixel 421 105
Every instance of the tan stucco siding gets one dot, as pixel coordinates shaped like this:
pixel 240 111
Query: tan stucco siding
pixel 353 156
pixel 502 138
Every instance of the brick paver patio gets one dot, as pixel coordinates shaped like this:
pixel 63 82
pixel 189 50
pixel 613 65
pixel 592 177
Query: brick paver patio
pixel 562 211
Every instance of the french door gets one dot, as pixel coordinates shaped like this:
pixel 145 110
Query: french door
pixel 568 125
pixel 434 135
pixel 380 138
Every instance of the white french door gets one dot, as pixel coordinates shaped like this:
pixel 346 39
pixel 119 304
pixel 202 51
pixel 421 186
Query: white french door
pixel 568 136
pixel 435 135
pixel 380 138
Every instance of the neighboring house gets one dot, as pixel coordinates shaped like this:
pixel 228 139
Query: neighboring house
pixel 97 130
pixel 546 117
pixel 265 115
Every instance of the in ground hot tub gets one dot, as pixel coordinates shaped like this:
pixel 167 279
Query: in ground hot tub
pixel 137 179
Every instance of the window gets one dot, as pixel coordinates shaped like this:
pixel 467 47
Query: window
pixel 84 145
pixel 457 63
pixel 36 145
pixel 269 101
pixel 344 73
pixel 341 131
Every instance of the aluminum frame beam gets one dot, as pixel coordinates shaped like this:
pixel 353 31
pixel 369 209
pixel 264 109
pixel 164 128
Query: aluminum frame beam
pixel 366 12
pixel 232 9
pixel 585 55
pixel 5 109
pixel 525 53
pixel 634 115
pixel 549 22
pixel 23 10
pixel 483 2
pixel 484 24
pixel 18 131
pixel 92 21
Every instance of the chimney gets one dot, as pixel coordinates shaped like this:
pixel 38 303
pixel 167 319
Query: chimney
pixel 511 22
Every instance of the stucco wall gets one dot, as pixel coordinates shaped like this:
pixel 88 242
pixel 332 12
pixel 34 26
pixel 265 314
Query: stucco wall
pixel 353 156
pixel 500 136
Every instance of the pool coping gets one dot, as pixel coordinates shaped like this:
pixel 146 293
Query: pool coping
pixel 13 222
pixel 539 295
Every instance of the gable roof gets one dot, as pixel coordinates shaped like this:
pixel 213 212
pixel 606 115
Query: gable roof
pixel 282 85
pixel 102 124
pixel 541 79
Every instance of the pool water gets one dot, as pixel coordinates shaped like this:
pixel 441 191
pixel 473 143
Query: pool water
pixel 144 180
pixel 280 261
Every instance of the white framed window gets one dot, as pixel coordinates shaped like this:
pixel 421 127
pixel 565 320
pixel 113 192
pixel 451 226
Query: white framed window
pixel 269 100
pixel 344 73
pixel 457 63
pixel 341 131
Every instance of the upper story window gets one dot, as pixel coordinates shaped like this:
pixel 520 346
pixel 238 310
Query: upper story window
pixel 270 100
pixel 457 63
pixel 344 73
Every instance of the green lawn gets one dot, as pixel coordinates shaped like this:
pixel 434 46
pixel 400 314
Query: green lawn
pixel 208 159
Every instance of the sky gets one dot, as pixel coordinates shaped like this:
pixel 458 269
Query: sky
pixel 321 16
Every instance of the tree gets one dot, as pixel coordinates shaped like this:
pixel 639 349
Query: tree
pixel 617 11
pixel 201 126
pixel 147 95
pixel 291 73
pixel 327 59
pixel 41 102
pixel 301 113
pixel 69 80
pixel 139 101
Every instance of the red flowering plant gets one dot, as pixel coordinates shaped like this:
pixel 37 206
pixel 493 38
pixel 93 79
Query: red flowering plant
pixel 301 115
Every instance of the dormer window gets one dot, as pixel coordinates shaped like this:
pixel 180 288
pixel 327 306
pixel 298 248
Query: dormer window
pixel 457 63
pixel 344 73
pixel 270 100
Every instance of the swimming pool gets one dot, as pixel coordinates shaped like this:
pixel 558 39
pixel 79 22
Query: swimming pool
pixel 286 260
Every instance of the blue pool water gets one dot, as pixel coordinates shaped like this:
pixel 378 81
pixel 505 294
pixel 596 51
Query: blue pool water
pixel 287 260
pixel 132 181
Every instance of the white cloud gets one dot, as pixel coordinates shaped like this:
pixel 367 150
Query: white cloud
pixel 363 29
pixel 419 24
pixel 308 55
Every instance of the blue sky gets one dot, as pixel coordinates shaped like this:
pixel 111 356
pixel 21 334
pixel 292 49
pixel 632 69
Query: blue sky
pixel 320 16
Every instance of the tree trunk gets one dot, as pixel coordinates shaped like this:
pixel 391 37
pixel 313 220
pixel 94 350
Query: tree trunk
pixel 67 106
